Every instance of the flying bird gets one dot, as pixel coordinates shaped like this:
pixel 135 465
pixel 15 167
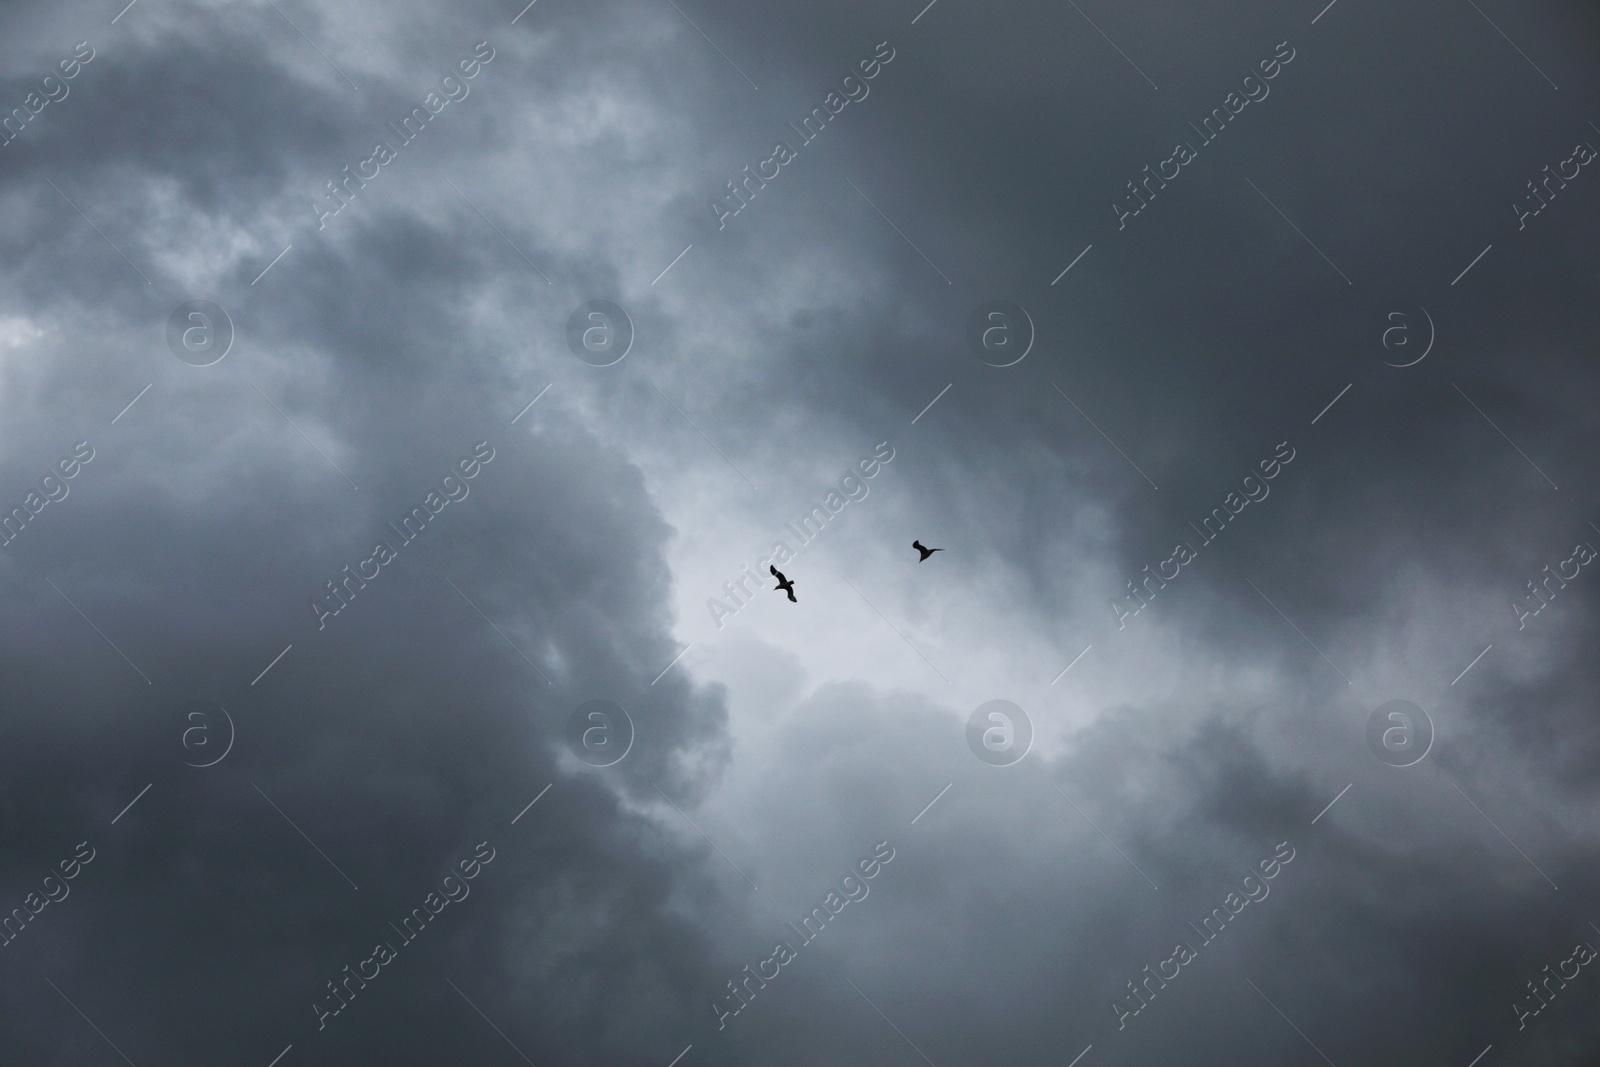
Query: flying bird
pixel 783 583
pixel 924 551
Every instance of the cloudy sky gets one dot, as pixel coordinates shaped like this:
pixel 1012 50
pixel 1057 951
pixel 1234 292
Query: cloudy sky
pixel 1238 356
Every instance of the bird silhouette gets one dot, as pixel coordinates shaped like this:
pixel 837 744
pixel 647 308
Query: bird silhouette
pixel 924 551
pixel 783 583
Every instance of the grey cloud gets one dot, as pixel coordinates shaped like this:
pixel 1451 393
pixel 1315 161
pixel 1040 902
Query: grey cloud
pixel 413 727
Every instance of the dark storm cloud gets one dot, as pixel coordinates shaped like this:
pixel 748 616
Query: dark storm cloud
pixel 396 738
pixel 1223 335
pixel 199 554
pixel 419 721
pixel 1024 955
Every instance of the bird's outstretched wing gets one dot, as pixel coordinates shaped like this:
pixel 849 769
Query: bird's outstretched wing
pixel 783 583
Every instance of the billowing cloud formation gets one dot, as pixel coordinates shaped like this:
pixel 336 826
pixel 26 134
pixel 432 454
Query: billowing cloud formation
pixel 307 633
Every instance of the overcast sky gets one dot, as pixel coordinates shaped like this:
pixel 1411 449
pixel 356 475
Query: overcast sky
pixel 1238 356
